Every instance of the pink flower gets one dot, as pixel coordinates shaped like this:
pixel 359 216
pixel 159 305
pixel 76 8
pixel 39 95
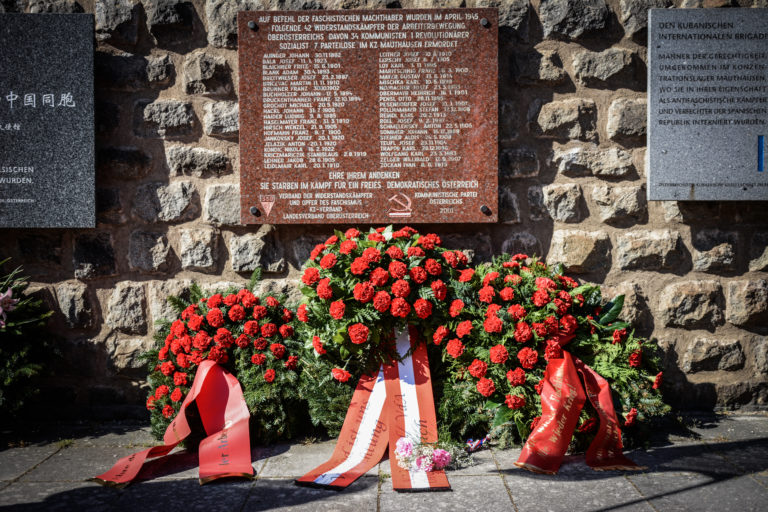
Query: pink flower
pixel 441 458
pixel 7 304
pixel 403 447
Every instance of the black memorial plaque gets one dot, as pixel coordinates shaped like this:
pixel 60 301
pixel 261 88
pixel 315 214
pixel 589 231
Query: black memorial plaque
pixel 46 120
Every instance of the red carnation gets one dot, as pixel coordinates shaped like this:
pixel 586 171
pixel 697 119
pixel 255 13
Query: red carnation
pixel 416 252
pixel 340 375
pixel 347 246
pixel 433 267
pixel 178 328
pixel 278 350
pixel 568 324
pixel 517 311
pixel 328 260
pixel 635 359
pixel 514 279
pixel 324 290
pixel 358 333
pixel 507 294
pixel 379 276
pixel 440 334
pixel 429 241
pixel 214 301
pixel 337 309
pixel 177 395
pixel 523 332
pixel 499 354
pixel 181 360
pixel 629 420
pixel 376 237
pixel 418 274
pixel 188 311
pixel 492 310
pixel 195 322
pixel 456 307
pixel 260 343
pixel 478 368
pixel 423 308
pixel 454 348
pixel 215 318
pixel 249 300
pixel 302 314
pixel 359 266
pixel 269 375
pixel 230 300
pixel 588 425
pixel 490 277
pixel 539 328
pixel 401 288
pixel 224 338
pixel 316 251
pixel 292 362
pixel 272 302
pixel 545 283
pixel 439 289
pixel 236 313
pixel 381 301
pixel 180 379
pixel 398 269
pixel 167 368
pixel 218 355
pixel 516 377
pixel 317 344
pixel 311 275
pixel 201 340
pixel 395 252
pixel 161 391
pixel 259 312
pixel 400 308
pixel 463 260
pixel 486 387
pixel 486 294
pixel 515 401
pixel 657 381
pixel 520 257
pixel 618 335
pixel 168 411
pixel 539 387
pixel 351 233
pixel 286 331
pixel 151 403
pixel 372 254
pixel 540 298
pixel 450 258
pixel 163 354
pixel 535 422
pixel 242 341
pixel 268 330
pixel 553 350
pixel 464 328
pixel 466 275
pixel 528 358
pixel 492 324
pixel 331 240
pixel 258 359
pixel 363 292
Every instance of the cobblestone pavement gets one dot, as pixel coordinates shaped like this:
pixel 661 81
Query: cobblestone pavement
pixel 721 465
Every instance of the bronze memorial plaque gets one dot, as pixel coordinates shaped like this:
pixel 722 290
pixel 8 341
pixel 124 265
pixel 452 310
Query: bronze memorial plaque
pixel 368 116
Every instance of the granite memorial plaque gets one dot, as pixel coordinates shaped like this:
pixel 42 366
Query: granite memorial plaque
pixel 365 116
pixel 46 120
pixel 708 104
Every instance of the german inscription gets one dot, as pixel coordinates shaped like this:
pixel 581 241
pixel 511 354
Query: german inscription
pixel 46 121
pixel 368 116
pixel 708 104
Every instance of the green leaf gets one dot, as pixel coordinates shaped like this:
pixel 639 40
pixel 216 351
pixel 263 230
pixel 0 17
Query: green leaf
pixel 255 278
pixel 614 308
pixel 503 415
pixel 521 429
pixel 490 404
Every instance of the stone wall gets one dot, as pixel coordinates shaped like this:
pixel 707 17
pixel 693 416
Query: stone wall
pixel 572 103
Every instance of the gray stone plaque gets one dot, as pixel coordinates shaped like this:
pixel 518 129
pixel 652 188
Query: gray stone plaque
pixel 708 104
pixel 46 120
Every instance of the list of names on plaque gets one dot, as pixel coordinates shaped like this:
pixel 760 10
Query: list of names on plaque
pixel 371 116
pixel 708 108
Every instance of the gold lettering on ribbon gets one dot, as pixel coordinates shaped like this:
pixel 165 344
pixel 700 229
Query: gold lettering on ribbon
pixel 224 448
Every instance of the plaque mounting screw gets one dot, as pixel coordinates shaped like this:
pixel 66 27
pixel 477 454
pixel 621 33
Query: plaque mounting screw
pixel 255 211
pixel 253 26
pixel 485 210
pixel 484 22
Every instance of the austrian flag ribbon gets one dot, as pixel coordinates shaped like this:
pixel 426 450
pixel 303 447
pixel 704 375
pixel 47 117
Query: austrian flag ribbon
pixel 396 402
pixel 225 452
pixel 562 398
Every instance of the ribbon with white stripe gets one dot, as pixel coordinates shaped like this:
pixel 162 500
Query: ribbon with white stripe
pixel 395 403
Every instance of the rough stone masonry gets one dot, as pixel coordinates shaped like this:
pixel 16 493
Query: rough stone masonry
pixel 572 102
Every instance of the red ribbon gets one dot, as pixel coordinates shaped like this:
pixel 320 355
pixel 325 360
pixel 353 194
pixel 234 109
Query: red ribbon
pixel 395 403
pixel 226 452
pixel 562 398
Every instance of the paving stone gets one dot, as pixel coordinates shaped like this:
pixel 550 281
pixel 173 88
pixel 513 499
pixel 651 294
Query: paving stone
pixel 77 463
pixel 484 465
pixel 283 494
pixel 700 493
pixel 295 460
pixel 14 462
pixel 468 493
pixel 57 496
pixel 227 494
